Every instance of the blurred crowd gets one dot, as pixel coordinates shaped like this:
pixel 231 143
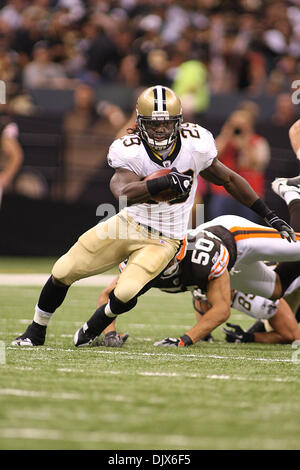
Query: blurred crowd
pixel 197 47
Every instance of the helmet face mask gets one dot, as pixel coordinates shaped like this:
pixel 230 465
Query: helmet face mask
pixel 159 134
pixel 159 116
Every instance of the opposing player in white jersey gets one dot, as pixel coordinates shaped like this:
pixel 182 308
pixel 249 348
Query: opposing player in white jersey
pixel 147 233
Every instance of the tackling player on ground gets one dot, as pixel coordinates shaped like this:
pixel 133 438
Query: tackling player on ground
pixel 228 253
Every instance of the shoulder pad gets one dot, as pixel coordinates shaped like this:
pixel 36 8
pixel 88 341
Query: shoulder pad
pixel 125 153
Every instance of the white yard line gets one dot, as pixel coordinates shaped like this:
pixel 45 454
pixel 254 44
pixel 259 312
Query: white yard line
pixel 36 394
pixel 219 377
pixel 134 355
pixel 98 437
pixel 40 279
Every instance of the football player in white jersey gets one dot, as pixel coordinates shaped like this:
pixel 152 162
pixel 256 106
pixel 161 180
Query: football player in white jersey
pixel 146 233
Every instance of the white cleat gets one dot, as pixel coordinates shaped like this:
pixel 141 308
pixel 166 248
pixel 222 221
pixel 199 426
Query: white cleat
pixel 22 342
pixel 282 185
pixel 34 336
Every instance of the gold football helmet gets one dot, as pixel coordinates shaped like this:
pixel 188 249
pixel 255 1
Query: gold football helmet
pixel 159 116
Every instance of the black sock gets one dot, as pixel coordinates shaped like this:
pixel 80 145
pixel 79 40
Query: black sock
pixel 37 328
pixel 99 321
pixel 52 296
pixel 117 306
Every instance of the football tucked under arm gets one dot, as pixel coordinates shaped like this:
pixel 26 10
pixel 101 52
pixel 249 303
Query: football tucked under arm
pixel 168 184
pixel 166 194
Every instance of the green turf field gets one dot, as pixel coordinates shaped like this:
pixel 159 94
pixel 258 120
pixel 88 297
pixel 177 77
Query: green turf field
pixel 208 396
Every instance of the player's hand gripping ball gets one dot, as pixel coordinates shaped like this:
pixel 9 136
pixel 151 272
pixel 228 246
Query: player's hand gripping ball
pixel 180 184
pixel 166 194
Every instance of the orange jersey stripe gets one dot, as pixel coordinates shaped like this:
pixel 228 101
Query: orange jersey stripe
pixel 220 266
pixel 181 254
pixel 242 233
pixel 219 263
pixel 260 235
pixel 217 273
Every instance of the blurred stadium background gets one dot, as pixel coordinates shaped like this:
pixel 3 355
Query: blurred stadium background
pixel 73 70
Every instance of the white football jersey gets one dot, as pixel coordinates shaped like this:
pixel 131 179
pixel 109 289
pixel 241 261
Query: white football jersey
pixel 193 152
pixel 254 306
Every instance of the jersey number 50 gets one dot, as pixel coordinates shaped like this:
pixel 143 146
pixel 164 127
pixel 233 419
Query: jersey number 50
pixel 202 249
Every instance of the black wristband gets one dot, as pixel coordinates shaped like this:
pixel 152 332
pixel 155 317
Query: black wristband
pixel 157 185
pixel 261 208
pixel 186 340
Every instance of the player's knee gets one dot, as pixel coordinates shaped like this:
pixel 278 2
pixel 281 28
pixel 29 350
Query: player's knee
pixel 58 283
pixel 127 291
pixel 62 271
pixel 118 307
pixel 289 336
pixel 152 260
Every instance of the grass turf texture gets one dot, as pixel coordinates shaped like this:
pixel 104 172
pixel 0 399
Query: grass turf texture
pixel 209 396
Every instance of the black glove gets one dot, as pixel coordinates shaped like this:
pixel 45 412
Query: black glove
pixel 179 182
pixel 113 340
pixel 237 334
pixel 281 226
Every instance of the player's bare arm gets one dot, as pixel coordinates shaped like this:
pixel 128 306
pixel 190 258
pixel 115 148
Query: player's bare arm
pixel 110 336
pixel 104 294
pixel 241 190
pixel 128 184
pixel 103 299
pixel 219 298
pixel 234 184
